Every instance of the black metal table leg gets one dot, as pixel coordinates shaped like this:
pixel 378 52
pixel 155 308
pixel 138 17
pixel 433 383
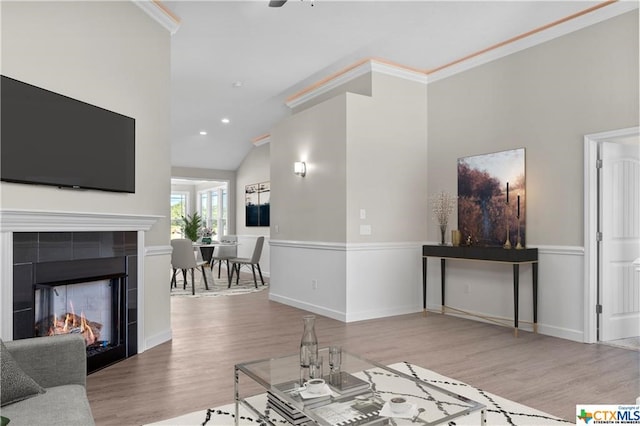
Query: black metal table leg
pixel 534 274
pixel 516 288
pixel 442 268
pixel 424 286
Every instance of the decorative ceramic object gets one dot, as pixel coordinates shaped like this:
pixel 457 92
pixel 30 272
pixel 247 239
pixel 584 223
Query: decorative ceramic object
pixel 456 237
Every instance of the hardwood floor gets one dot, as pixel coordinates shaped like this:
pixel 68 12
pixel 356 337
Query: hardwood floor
pixel 195 370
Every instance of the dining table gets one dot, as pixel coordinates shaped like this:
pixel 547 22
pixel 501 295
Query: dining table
pixel 207 249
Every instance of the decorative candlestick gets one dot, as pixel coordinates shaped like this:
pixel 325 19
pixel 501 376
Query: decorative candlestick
pixel 519 241
pixel 507 243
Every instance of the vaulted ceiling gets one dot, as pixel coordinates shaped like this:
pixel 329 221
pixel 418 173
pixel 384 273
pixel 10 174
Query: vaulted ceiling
pixel 240 60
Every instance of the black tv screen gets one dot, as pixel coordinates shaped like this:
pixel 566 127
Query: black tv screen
pixel 51 139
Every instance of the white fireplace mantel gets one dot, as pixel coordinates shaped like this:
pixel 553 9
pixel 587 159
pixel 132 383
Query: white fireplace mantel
pixel 17 220
pixel 61 221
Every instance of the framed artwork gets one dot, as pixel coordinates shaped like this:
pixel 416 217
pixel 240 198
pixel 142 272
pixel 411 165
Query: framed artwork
pixel 492 198
pixel 256 197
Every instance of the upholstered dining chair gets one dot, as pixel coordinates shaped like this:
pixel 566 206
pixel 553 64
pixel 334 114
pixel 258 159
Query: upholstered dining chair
pixel 253 261
pixel 223 253
pixel 184 257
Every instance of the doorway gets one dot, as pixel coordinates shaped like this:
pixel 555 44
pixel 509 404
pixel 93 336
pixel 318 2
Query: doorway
pixel 612 237
pixel 210 199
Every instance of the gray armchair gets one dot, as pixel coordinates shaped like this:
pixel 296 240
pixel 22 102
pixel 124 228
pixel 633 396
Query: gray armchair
pixel 59 365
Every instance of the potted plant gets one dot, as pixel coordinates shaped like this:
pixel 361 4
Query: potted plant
pixel 191 226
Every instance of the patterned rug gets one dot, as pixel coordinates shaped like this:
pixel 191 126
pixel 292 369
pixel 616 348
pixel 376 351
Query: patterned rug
pixel 217 287
pixel 499 411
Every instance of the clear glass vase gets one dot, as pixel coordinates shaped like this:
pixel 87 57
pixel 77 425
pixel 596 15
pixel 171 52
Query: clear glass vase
pixel 308 346
pixel 443 232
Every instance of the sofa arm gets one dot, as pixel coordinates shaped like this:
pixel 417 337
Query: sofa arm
pixel 52 360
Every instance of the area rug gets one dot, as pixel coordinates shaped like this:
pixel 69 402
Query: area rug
pixel 217 287
pixel 499 411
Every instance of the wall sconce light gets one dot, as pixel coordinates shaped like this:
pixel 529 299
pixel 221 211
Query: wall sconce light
pixel 300 168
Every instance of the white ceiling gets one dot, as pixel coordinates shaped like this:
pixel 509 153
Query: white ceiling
pixel 275 52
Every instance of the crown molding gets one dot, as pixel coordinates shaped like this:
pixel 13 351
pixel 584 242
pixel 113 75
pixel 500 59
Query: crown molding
pixel 593 15
pixel 601 12
pixel 160 13
pixel 360 68
pixel 262 140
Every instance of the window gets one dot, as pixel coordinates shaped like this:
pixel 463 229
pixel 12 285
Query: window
pixel 224 223
pixel 204 207
pixel 213 206
pixel 178 210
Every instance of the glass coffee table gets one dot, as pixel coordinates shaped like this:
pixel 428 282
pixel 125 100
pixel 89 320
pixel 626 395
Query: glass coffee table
pixel 358 394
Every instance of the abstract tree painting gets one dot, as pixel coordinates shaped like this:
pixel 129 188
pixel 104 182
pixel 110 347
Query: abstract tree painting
pixel 491 198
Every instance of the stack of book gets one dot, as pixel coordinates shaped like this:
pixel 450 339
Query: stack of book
pixel 340 405
pixel 286 410
pixel 346 384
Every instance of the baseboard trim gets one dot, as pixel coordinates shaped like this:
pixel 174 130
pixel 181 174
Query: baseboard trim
pixel 158 339
pixel 547 330
pixel 367 315
pixel 341 316
pixel 330 313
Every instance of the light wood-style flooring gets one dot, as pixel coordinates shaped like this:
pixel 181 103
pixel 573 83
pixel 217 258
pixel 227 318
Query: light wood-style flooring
pixel 194 371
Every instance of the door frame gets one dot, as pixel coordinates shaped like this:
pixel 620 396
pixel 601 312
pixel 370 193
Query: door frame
pixel 591 145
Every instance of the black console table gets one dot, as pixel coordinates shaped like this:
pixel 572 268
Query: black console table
pixel 488 254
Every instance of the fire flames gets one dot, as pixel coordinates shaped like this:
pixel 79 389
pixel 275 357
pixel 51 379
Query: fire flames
pixel 72 323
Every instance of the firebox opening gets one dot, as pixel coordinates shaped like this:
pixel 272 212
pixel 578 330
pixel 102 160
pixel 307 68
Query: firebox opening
pixel 92 309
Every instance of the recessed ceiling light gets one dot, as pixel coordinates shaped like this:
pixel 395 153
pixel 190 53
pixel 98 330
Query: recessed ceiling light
pixel 202 132
pixel 237 84
pixel 225 120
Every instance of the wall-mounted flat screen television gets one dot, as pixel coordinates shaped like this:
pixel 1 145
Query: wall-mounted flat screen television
pixel 51 139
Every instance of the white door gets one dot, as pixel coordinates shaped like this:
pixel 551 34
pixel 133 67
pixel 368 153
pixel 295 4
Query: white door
pixel 620 226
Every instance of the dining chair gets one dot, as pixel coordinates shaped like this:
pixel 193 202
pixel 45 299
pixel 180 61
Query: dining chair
pixel 254 261
pixel 223 253
pixel 184 257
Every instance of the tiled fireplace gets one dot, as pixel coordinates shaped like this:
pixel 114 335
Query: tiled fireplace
pixel 78 282
pixel 75 272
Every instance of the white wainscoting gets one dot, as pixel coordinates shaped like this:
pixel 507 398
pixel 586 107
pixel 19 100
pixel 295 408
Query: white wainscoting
pixel 353 282
pixel 157 265
pixel 364 281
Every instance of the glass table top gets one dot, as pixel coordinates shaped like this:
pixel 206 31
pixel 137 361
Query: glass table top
pixel 365 400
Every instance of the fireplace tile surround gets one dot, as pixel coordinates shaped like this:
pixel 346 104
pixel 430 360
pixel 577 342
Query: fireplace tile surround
pixel 75 235
pixel 66 258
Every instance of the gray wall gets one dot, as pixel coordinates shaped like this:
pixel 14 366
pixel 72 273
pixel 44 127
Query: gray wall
pixel 362 153
pixel 545 99
pixel 253 169
pixel 310 208
pixel 386 157
pixel 113 55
